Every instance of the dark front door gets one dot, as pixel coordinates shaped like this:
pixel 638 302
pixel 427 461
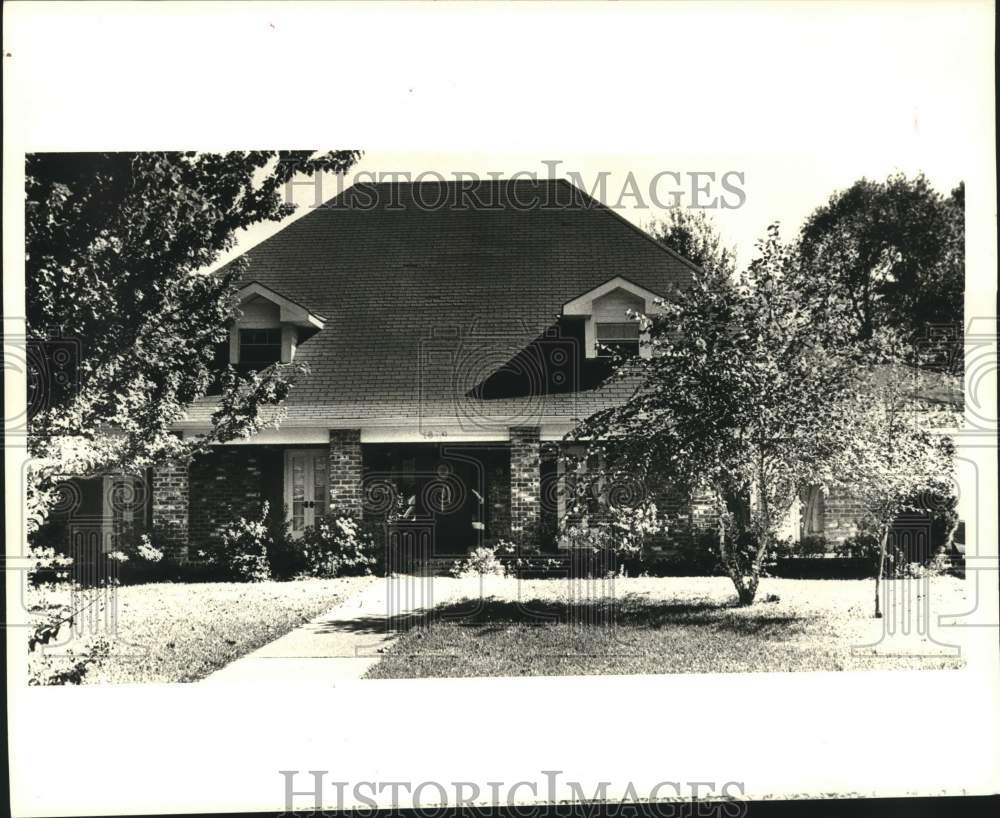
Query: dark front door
pixel 455 499
pixel 440 485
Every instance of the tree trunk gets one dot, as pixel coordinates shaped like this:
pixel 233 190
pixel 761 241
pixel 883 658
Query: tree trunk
pixel 747 591
pixel 881 568
pixel 951 529
pixel 745 584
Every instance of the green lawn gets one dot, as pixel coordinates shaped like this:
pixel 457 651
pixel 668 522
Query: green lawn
pixel 180 632
pixel 668 625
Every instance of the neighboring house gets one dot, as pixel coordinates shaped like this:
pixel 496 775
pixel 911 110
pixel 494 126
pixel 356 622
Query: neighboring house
pixel 454 333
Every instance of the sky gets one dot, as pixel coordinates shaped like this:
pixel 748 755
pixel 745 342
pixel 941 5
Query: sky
pixel 742 194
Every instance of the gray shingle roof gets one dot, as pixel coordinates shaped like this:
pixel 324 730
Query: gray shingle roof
pixel 428 288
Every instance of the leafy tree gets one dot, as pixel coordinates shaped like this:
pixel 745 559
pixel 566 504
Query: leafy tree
pixel 694 235
pixel 896 454
pixel 736 403
pixel 888 256
pixel 117 246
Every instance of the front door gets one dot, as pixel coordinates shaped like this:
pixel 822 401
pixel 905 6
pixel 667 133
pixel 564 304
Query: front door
pixel 306 487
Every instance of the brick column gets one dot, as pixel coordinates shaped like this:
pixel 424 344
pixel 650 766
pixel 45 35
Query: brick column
pixel 525 479
pixel 345 471
pixel 841 513
pixel 170 509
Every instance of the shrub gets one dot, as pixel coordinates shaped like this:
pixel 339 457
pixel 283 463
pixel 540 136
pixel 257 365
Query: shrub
pixel 620 546
pixel 864 545
pixel 481 562
pixel 137 559
pixel 782 549
pixel 53 601
pixel 526 559
pixel 701 556
pixel 285 555
pixel 591 550
pixel 815 545
pixel 511 550
pixel 538 536
pixel 48 566
pixel 586 536
pixel 242 553
pixel 939 565
pixel 694 556
pixel 338 546
pixel 633 527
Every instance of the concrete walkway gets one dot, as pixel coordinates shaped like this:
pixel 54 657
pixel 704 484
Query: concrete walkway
pixel 344 642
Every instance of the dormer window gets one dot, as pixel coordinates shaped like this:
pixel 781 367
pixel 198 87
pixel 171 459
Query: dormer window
pixel 269 329
pixel 260 346
pixel 606 310
pixel 617 339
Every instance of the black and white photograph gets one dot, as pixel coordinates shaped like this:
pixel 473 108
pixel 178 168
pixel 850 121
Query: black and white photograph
pixel 405 412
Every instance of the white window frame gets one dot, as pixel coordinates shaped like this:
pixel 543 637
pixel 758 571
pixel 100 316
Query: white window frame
pixel 308 519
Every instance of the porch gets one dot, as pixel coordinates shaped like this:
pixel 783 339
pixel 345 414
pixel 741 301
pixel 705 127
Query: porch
pixel 447 497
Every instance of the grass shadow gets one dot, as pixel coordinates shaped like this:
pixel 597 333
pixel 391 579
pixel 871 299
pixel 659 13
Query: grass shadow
pixel 376 624
pixel 491 615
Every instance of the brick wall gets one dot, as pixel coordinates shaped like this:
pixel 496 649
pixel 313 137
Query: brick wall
pixel 170 508
pixel 345 472
pixel 525 479
pixel 703 512
pixel 685 519
pixel 229 482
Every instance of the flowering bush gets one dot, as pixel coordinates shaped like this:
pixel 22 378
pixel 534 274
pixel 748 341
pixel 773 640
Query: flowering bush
pixel 481 562
pixel 138 559
pixel 48 565
pixel 591 549
pixel 634 527
pixel 242 553
pixel 584 535
pixel 526 559
pixel 53 602
pixel 338 546
pixel 141 549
